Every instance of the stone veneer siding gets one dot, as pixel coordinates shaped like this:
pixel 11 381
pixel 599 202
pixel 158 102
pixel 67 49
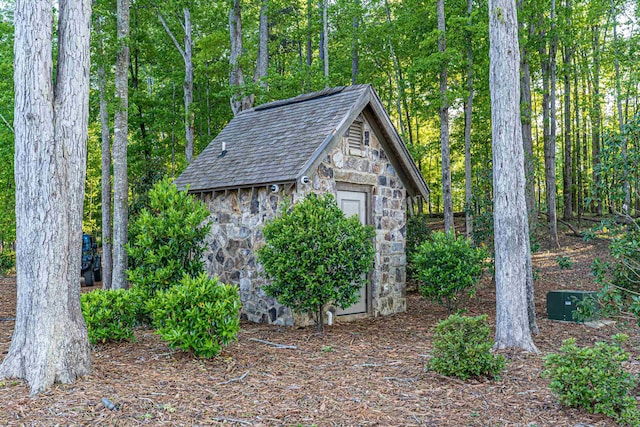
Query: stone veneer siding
pixel 239 215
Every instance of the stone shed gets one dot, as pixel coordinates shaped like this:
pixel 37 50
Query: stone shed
pixel 338 140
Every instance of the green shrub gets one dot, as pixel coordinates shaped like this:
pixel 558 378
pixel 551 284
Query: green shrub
pixel 462 348
pixel 418 232
pixel 110 315
pixel 7 261
pixel 198 315
pixel 314 256
pixel 564 262
pixel 166 240
pixel 594 379
pixel 446 267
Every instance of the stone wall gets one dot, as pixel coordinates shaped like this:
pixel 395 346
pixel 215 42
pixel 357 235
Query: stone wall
pixel 239 215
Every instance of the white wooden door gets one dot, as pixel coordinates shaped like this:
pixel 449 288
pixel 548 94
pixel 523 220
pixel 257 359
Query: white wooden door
pixel 354 203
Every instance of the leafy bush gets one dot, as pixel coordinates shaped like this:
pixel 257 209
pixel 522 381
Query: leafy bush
pixel 198 315
pixel 314 255
pixel 462 347
pixel 110 315
pixel 7 261
pixel 166 240
pixel 564 262
pixel 417 232
pixel 446 267
pixel 594 379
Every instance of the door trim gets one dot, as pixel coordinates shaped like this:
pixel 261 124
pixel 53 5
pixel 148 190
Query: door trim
pixel 368 190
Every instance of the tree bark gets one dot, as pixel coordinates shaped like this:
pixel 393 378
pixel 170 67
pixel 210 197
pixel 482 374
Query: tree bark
pixel 263 46
pixel 468 110
pixel 107 245
pixel 239 102
pixel 325 42
pixel 49 341
pixel 596 120
pixel 354 46
pixel 550 143
pixel 625 181
pixel 447 199
pixel 568 167
pixel 511 228
pixel 527 138
pixel 119 151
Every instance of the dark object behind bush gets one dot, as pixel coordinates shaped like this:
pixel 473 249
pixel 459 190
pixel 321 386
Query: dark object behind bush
pixel 462 348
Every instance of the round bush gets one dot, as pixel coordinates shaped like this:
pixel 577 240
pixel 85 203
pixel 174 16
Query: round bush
pixel 446 267
pixel 594 379
pixel 198 315
pixel 110 315
pixel 462 348
pixel 314 256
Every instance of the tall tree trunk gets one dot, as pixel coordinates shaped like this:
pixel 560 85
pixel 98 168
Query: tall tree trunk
pixel 187 55
pixel 579 159
pixel 550 143
pixel 239 101
pixel 527 138
pixel 568 168
pixel 468 109
pixel 107 254
pixel 309 33
pixel 49 341
pixel 120 139
pixel 325 42
pixel 596 120
pixel 263 46
pixel 447 199
pixel 511 228
pixel 625 181
pixel 107 249
pixel 354 46
pixel 527 146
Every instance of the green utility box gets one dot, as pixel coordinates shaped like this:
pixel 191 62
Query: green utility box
pixel 562 304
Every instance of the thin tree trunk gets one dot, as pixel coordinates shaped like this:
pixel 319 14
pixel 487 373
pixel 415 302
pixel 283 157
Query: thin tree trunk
pixel 239 102
pixel 568 169
pixel 596 120
pixel 397 70
pixel 49 342
pixel 187 55
pixel 550 144
pixel 447 199
pixel 625 181
pixel 325 42
pixel 468 109
pixel 579 160
pixel 263 46
pixel 120 140
pixel 107 250
pixel 512 251
pixel 354 46
pixel 527 139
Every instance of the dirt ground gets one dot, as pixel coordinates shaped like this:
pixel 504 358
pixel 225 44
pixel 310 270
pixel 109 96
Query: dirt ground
pixel 365 373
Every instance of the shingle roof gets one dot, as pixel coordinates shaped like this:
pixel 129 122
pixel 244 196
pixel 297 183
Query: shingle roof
pixel 277 142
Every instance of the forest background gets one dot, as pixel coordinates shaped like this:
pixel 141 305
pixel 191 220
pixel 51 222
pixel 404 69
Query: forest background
pixel 578 63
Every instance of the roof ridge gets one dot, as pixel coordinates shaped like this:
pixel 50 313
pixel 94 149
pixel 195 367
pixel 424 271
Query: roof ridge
pixel 306 97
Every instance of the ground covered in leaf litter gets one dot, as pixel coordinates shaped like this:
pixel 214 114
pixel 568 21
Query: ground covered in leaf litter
pixel 364 373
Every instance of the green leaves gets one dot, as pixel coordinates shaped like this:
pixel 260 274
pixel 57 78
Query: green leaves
pixel 594 379
pixel 446 267
pixel 166 238
pixel 199 315
pixel 110 315
pixel 314 255
pixel 462 348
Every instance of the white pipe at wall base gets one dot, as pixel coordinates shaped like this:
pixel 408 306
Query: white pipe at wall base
pixel 329 318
